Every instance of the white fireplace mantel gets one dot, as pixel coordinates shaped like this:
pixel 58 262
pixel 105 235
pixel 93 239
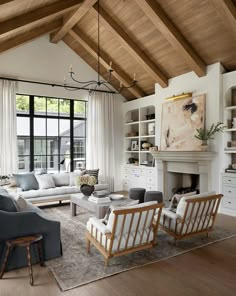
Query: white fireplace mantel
pixel 186 162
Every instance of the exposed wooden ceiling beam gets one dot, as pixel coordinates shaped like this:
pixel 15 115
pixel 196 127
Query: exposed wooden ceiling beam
pixel 226 9
pixel 29 36
pixel 105 61
pixel 162 22
pixel 72 20
pixel 132 48
pixel 5 1
pixel 31 17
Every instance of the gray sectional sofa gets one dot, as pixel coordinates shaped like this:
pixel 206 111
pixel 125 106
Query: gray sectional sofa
pixel 17 220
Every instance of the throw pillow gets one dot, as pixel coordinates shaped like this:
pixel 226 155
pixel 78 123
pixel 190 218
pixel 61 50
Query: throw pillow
pixel 21 203
pixel 7 202
pixel 73 176
pixel 45 181
pixel 61 179
pixel 118 207
pixel 92 173
pixel 176 199
pixel 26 181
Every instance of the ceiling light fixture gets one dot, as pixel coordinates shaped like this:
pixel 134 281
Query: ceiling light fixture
pixel 94 85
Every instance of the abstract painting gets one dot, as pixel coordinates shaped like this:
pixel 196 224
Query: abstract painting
pixel 180 119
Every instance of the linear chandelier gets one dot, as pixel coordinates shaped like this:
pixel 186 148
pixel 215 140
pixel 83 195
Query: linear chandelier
pixel 95 85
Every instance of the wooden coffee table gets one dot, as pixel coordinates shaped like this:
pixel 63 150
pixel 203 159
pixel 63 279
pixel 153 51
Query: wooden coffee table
pixel 100 210
pixel 27 242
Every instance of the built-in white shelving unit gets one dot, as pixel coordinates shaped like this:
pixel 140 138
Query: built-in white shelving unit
pixel 139 128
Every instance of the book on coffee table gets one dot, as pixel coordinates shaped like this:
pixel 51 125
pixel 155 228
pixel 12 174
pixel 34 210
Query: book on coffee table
pixel 99 200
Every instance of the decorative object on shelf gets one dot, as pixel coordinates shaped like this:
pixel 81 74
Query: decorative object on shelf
pixel 146 145
pixel 234 123
pixel 94 84
pixel 151 128
pixel 132 134
pixel 180 119
pixel 86 184
pixel 179 97
pixel 204 134
pixel 150 116
pixel 153 149
pixel 134 145
pixel 132 160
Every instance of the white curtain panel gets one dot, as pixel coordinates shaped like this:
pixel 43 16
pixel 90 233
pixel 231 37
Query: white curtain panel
pixel 8 134
pixel 100 153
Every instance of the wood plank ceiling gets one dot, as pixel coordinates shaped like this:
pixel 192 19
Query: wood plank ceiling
pixel 156 39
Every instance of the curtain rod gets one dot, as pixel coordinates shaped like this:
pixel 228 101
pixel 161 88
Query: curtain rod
pixel 57 85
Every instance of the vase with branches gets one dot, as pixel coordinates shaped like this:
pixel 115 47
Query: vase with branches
pixel 205 134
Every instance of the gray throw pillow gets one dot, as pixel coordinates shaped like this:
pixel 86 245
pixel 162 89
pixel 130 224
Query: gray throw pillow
pixel 93 173
pixel 7 202
pixel 26 181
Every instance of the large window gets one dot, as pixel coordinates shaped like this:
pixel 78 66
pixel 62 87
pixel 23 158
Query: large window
pixel 51 133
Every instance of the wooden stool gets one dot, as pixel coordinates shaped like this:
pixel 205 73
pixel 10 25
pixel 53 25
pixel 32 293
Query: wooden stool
pixel 26 241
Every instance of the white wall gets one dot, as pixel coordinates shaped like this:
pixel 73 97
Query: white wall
pixel 211 85
pixel 46 62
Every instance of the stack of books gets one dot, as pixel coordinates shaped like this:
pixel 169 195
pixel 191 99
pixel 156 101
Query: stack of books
pixel 99 200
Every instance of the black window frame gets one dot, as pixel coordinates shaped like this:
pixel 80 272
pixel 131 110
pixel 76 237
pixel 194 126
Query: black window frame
pixel 72 118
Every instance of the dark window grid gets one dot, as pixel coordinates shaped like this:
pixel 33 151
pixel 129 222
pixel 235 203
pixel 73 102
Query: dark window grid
pixel 71 118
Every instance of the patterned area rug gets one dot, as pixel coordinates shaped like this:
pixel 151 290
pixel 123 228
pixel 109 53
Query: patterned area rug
pixel 76 268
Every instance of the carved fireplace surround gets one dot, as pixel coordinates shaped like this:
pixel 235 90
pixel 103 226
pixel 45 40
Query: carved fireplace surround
pixel 186 163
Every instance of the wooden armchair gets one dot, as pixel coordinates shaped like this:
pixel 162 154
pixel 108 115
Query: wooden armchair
pixel 128 230
pixel 194 215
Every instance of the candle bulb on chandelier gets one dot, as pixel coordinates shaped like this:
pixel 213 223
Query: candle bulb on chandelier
pixel 71 68
pixel 110 64
pixel 134 76
pixel 121 84
pixel 64 79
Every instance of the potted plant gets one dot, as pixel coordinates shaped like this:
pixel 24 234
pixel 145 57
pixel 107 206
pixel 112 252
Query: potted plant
pixel 86 183
pixel 205 134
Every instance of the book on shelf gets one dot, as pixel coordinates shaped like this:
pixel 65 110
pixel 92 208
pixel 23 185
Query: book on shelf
pixel 99 200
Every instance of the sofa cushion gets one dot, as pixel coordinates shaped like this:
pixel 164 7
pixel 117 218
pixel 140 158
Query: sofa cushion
pixel 63 190
pixel 26 181
pixel 45 181
pixel 73 176
pixel 7 202
pixel 61 179
pixel 92 173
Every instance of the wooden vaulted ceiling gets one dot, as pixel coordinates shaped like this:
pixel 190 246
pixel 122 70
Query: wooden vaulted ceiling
pixel 156 39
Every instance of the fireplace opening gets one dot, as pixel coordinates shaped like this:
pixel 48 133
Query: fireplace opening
pixel 181 183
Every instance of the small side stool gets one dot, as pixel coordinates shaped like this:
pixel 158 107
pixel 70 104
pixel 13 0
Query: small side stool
pixel 153 196
pixel 137 194
pixel 27 242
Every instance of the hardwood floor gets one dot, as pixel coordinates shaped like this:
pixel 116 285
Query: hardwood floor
pixel 210 270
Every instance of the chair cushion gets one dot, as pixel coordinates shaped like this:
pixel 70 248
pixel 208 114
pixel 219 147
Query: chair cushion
pixel 182 204
pixel 7 202
pixel 26 181
pixel 61 179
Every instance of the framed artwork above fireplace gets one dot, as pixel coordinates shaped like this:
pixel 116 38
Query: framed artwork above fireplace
pixel 180 119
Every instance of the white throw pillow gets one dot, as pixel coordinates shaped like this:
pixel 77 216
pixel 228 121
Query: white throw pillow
pixel 45 181
pixel 61 179
pixel 73 176
pixel 21 203
pixel 176 199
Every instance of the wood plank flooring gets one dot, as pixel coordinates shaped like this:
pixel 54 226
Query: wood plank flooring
pixel 210 270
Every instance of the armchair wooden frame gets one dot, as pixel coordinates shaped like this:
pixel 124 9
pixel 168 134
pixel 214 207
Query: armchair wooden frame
pixel 153 227
pixel 201 222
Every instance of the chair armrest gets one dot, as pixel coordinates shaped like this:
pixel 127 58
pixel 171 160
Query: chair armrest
pixel 99 225
pixel 17 224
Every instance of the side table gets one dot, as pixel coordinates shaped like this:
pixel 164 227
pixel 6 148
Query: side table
pixel 27 242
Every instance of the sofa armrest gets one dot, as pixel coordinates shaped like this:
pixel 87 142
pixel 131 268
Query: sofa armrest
pixel 17 224
pixel 98 225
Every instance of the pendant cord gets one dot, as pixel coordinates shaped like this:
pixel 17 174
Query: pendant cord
pixel 98 41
